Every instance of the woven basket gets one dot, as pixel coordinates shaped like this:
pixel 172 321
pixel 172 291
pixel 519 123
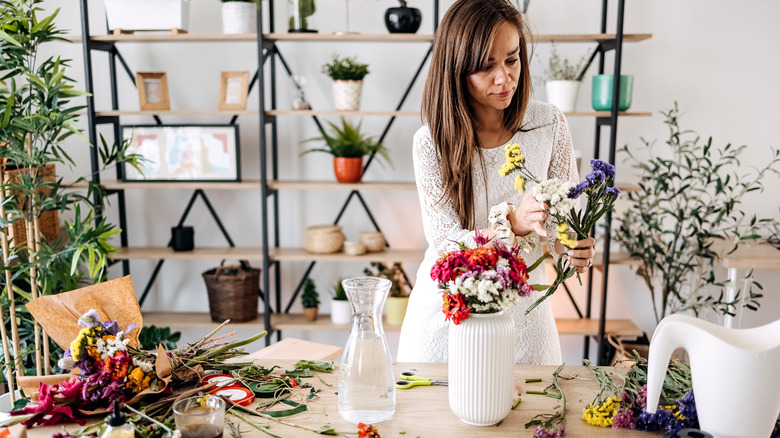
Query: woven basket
pixel 323 239
pixel 233 292
pixel 48 221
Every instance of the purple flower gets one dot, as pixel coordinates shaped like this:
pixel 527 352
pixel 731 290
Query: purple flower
pixel 93 387
pixel 612 191
pixel 604 167
pixel 641 397
pixel 624 420
pixel 540 432
pixel 90 319
pixel 687 406
pixel 481 239
pixel 575 192
pixel 595 177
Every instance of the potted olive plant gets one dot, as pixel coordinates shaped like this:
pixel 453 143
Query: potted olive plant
pixel 348 145
pixel 310 300
pixel 347 75
pixel 37 115
pixel 340 309
pixel 239 16
pixel 562 79
pixel 400 288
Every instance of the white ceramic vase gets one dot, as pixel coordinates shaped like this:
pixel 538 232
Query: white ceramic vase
pixel 340 312
pixel 481 368
pixel 346 95
pixel 239 17
pixel 148 14
pixel 563 94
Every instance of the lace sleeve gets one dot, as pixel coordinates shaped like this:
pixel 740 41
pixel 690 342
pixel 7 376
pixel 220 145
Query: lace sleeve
pixel 440 221
pixel 563 165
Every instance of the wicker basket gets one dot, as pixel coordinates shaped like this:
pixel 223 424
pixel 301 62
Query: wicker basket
pixel 323 239
pixel 48 221
pixel 233 292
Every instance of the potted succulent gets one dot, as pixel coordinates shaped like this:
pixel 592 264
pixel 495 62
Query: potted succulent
pixel 131 15
pixel 310 300
pixel 349 145
pixel 239 16
pixel 340 309
pixel 347 75
pixel 37 115
pixel 400 288
pixel 300 11
pixel 562 79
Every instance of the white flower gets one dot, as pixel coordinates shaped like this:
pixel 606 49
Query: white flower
pixel 146 367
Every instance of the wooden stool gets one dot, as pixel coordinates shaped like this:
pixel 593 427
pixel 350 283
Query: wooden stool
pixel 296 349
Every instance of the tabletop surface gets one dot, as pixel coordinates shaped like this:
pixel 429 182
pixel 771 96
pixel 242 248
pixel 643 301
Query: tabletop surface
pixel 424 411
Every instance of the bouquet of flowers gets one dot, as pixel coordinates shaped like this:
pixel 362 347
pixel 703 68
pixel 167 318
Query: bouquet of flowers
pixel 561 198
pixel 485 279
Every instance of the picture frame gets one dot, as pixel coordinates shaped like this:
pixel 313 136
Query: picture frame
pixel 152 91
pixel 233 90
pixel 174 153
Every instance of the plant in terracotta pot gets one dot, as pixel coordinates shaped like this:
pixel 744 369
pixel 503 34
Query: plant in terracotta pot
pixel 340 309
pixel 348 145
pixel 310 300
pixel 347 75
pixel 562 79
pixel 399 290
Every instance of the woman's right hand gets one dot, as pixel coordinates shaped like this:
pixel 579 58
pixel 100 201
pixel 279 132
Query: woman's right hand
pixel 529 216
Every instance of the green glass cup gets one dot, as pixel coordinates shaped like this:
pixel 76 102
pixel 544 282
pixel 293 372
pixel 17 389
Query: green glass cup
pixel 601 97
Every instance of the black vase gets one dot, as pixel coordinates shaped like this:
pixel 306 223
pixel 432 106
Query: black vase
pixel 403 19
pixel 182 238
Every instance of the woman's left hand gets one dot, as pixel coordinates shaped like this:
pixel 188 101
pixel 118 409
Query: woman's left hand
pixel 581 256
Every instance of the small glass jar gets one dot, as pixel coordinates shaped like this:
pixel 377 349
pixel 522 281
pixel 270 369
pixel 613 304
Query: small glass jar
pixel 300 15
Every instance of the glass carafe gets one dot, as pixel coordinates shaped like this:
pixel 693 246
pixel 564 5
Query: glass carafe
pixel 366 382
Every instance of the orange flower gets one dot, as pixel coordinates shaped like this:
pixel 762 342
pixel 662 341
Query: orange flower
pixel 483 256
pixel 367 431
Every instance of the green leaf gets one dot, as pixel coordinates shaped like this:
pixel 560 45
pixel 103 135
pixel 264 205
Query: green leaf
pixel 325 367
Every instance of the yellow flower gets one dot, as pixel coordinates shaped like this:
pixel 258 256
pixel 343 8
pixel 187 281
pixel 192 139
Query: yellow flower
pixel 137 381
pixel 601 415
pixel 520 184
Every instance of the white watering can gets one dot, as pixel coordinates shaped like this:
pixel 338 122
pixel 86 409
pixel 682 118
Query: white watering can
pixel 736 374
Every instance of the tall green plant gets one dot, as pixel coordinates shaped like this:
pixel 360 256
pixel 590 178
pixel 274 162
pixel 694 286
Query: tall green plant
pixel 685 204
pixel 37 116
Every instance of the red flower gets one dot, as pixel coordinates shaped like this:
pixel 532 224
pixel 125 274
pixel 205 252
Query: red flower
pixel 367 431
pixel 484 256
pixel 455 308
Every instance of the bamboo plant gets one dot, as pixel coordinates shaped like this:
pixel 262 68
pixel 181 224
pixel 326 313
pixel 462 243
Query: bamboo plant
pixel 38 126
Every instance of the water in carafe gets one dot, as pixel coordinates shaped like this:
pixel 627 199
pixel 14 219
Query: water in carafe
pixel 366 381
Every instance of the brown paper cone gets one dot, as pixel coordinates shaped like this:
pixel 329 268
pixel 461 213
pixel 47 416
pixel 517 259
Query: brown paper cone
pixel 113 300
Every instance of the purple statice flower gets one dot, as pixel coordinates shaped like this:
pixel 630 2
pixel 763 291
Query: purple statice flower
pixel 652 422
pixel 641 397
pixel 624 420
pixel 575 192
pixel 86 366
pixel 90 319
pixel 614 191
pixel 604 167
pixel 596 177
pixel 687 406
pixel 541 432
pixel 93 387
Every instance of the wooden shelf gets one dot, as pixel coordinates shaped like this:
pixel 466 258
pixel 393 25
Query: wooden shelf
pixel 280 112
pixel 150 37
pixel 627 187
pixel 311 113
pixel 113 184
pixel 335 185
pixel 602 114
pixel 292 321
pixel 749 256
pixel 616 258
pixel 389 255
pixel 255 253
pixel 186 112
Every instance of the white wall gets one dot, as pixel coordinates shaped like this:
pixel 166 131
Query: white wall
pixel 714 58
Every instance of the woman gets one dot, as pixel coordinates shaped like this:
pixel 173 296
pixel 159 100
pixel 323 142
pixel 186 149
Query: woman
pixel 475 101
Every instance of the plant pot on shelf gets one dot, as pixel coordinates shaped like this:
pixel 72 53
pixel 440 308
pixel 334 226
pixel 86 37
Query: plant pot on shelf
pixel 239 17
pixel 233 292
pixel 563 94
pixel 300 16
pixel 395 310
pixel 348 169
pixel 403 19
pixel 346 95
pixel 148 14
pixel 340 312
pixel 603 86
pixel 310 313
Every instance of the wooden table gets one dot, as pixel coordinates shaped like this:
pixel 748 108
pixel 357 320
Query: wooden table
pixel 424 411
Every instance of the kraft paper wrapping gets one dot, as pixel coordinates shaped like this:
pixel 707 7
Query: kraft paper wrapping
pixel 113 300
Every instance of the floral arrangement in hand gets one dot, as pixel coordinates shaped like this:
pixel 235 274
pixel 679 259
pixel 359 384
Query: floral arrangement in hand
pixel 485 279
pixel 561 198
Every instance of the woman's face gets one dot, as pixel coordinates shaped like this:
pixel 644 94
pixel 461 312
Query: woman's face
pixel 492 88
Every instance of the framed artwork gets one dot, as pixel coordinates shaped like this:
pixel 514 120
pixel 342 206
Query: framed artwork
pixel 153 91
pixel 233 90
pixel 183 153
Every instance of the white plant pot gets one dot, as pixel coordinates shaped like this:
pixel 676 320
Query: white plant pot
pixel 481 368
pixel 148 14
pixel 340 312
pixel 563 94
pixel 346 95
pixel 239 17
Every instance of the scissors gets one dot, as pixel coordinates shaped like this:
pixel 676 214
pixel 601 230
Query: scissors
pixel 411 379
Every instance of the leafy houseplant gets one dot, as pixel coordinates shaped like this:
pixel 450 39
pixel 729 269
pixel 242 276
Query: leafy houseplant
pixel 310 300
pixel 562 79
pixel 36 118
pixel 400 288
pixel 340 309
pixel 348 145
pixel 686 203
pixel 347 75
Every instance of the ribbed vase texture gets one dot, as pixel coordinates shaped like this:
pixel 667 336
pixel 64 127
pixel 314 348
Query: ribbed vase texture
pixel 346 95
pixel 239 17
pixel 481 368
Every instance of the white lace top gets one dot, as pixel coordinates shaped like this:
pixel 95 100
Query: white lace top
pixel 549 154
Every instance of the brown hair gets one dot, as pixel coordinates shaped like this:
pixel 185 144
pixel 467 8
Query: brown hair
pixel 462 47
